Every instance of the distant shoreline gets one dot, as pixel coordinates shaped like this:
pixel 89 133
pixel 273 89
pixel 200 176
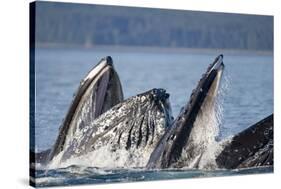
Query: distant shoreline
pixel 150 49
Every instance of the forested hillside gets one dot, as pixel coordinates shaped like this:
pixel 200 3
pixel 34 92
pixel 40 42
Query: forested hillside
pixel 90 25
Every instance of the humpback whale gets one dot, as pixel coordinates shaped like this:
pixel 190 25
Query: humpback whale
pixel 98 91
pixel 103 128
pixel 249 148
pixel 179 147
pixel 116 137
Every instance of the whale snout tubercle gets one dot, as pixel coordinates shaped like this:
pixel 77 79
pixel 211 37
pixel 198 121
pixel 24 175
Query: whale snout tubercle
pixel 160 94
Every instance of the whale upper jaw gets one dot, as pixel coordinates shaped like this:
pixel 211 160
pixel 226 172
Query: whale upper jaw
pixel 169 149
pixel 99 91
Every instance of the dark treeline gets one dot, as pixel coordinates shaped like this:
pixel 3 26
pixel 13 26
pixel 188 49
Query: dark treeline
pixel 90 25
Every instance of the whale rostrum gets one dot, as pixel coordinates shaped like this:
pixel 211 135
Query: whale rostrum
pixel 103 128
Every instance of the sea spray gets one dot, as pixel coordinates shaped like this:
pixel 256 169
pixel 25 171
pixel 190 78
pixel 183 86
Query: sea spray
pixel 214 120
pixel 104 158
pixel 202 146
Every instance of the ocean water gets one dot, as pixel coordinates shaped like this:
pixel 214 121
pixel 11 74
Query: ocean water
pixel 75 175
pixel 246 97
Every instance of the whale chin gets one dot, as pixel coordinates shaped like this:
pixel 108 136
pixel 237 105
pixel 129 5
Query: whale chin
pixel 101 129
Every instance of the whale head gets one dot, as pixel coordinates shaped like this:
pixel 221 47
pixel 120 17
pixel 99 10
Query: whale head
pixel 125 135
pixel 98 91
pixel 177 148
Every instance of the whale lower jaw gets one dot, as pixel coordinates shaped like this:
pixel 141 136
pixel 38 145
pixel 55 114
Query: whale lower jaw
pixel 196 126
pixel 99 91
pixel 202 146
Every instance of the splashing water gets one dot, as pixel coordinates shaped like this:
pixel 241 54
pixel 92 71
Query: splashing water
pixel 103 158
pixel 213 121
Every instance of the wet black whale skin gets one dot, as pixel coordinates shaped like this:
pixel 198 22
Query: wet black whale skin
pixel 250 148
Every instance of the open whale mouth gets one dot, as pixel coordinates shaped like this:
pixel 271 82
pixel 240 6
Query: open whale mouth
pixel 98 91
pixel 174 141
pixel 104 82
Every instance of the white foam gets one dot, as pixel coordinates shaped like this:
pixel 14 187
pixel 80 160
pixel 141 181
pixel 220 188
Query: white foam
pixel 105 158
pixel 55 161
pixel 47 180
